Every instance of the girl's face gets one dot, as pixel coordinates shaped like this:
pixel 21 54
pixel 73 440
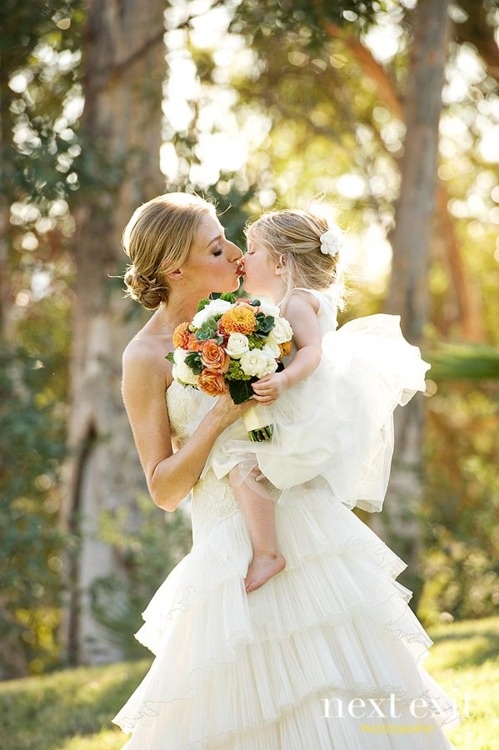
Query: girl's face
pixel 213 262
pixel 260 271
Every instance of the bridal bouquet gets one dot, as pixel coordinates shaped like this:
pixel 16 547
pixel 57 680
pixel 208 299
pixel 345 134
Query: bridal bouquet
pixel 228 345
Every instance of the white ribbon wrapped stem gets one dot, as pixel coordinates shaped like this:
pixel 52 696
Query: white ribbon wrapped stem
pixel 258 422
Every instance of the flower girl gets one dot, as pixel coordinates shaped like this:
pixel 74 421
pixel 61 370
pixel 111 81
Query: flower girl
pixel 332 403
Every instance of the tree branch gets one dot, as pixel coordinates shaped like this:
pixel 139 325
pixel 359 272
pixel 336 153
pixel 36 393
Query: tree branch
pixel 377 73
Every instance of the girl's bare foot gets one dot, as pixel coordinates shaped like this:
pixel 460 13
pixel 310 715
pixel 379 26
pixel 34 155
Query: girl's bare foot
pixel 263 567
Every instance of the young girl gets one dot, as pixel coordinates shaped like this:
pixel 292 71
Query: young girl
pixel 335 398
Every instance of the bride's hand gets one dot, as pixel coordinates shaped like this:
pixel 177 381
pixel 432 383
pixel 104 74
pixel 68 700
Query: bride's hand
pixel 228 412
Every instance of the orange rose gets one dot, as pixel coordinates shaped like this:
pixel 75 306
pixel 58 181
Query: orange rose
pixel 212 383
pixel 214 357
pixel 239 319
pixel 181 336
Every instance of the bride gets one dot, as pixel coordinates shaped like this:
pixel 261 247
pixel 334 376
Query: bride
pixel 327 654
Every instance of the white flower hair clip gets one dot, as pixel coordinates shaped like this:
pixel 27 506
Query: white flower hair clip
pixel 331 241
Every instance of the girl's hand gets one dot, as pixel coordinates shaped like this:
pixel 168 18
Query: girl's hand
pixel 268 389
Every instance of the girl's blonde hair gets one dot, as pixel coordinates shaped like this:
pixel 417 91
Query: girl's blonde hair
pixel 292 239
pixel 158 240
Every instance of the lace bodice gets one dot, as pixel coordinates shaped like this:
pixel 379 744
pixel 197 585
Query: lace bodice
pixel 212 498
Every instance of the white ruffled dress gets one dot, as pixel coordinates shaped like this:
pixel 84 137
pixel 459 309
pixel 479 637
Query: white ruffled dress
pixel 338 423
pixel 327 655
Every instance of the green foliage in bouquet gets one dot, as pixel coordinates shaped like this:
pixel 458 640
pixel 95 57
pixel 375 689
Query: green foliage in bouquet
pixel 241 390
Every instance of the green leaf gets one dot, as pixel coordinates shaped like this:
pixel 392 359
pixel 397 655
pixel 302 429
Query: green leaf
pixel 193 360
pixel 241 390
pixel 207 331
pixel 169 357
pixel 265 324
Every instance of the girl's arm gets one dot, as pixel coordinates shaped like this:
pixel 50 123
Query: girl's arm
pixel 301 311
pixel 170 476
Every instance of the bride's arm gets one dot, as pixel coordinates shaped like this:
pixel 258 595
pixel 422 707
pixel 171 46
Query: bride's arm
pixel 170 476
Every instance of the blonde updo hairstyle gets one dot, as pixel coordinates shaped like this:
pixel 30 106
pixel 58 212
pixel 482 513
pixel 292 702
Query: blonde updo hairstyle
pixel 158 240
pixel 292 239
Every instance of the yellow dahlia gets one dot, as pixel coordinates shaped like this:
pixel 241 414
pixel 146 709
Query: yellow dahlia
pixel 239 319
pixel 285 349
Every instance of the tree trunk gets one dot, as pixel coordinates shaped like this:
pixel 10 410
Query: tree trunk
pixel 411 243
pixel 462 296
pixel 464 300
pixel 121 134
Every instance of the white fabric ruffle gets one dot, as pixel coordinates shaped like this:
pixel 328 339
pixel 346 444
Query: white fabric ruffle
pixel 272 669
pixel 338 423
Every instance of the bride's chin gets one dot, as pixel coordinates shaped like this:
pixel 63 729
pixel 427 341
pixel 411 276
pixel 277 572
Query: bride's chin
pixel 232 287
pixel 237 283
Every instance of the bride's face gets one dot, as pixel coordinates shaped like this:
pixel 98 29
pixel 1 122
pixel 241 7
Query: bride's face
pixel 213 262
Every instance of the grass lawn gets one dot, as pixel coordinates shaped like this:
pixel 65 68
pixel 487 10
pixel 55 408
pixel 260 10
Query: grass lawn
pixel 465 661
pixel 72 710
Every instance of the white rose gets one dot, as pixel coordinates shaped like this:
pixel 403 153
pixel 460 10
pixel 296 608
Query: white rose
pixel 271 349
pixel 281 332
pixel 257 363
pixel 216 307
pixel 181 371
pixel 271 367
pixel 237 345
pixel 269 309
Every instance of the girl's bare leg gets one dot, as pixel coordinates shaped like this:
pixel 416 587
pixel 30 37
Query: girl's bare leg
pixel 258 511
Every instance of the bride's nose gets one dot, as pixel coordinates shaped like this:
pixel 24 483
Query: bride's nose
pixel 236 254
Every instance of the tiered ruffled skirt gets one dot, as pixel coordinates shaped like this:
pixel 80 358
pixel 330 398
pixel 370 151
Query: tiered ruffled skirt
pixel 325 656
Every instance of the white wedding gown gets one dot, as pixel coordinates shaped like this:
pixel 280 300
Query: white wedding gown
pixel 327 655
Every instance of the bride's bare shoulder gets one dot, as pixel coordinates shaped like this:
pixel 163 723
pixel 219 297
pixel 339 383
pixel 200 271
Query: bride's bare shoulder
pixel 146 354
